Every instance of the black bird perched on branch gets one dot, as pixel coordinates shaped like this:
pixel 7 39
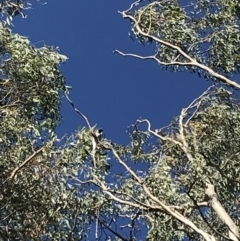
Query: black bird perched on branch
pixel 99 134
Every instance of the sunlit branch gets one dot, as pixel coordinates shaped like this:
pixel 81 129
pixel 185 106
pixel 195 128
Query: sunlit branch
pixel 221 212
pixel 206 204
pixel 165 138
pixel 132 5
pixel 168 210
pixel 191 61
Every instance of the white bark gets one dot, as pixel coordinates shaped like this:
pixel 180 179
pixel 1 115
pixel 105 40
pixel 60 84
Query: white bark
pixel 222 214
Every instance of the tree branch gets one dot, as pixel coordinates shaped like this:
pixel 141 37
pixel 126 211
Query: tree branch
pixel 191 61
pixel 17 169
pixel 78 111
pixel 168 210
pixel 112 231
pixel 222 214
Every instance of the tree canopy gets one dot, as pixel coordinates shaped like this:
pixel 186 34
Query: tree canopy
pixel 179 182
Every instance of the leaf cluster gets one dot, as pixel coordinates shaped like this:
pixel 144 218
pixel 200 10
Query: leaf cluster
pixel 208 31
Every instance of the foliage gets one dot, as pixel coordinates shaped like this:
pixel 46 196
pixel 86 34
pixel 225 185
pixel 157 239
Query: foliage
pixel 207 31
pixel 31 90
pixel 158 187
pixel 201 144
pixel 13 8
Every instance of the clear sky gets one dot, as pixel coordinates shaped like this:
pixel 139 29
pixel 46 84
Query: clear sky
pixel 113 91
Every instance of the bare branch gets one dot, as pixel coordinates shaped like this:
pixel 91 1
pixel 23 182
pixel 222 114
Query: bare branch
pixel 15 103
pixel 78 111
pixel 134 55
pixel 132 5
pixel 165 138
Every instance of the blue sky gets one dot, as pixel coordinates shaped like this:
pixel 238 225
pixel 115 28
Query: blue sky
pixel 111 90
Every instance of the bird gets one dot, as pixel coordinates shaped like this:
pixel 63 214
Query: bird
pixel 99 134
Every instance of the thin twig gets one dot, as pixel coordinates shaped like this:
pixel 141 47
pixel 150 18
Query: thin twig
pixel 164 138
pixel 96 229
pixel 112 231
pixel 198 105
pixel 94 137
pixel 78 111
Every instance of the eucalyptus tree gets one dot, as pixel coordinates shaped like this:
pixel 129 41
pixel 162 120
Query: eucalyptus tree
pixel 35 199
pixel 174 183
pixel 191 186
